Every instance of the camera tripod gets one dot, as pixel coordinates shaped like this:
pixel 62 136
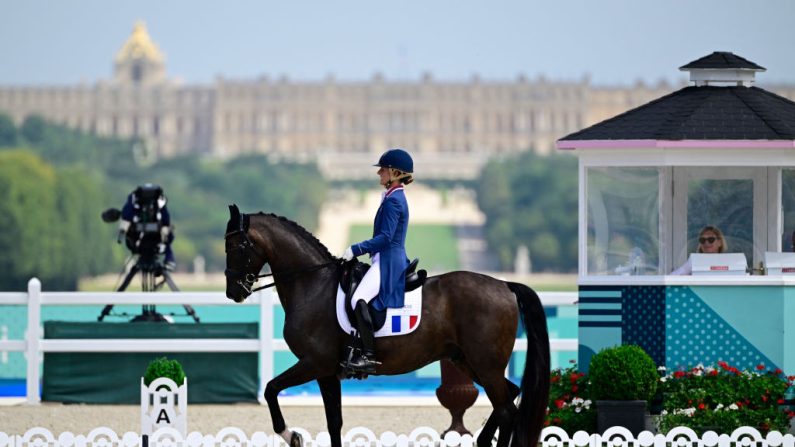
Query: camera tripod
pixel 150 268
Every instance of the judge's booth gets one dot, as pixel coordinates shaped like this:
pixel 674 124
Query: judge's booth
pixel 640 218
pixel 719 152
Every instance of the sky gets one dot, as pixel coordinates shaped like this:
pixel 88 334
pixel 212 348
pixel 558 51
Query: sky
pixel 610 42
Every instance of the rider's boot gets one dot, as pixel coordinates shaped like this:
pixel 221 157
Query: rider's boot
pixel 365 362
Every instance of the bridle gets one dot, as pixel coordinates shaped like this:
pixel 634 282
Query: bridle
pixel 246 280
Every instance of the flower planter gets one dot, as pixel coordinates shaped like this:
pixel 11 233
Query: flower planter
pixel 164 404
pixel 630 414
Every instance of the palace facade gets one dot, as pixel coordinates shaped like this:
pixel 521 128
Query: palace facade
pixel 451 127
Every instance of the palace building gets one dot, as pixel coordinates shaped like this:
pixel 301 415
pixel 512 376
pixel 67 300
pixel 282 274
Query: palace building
pixel 451 127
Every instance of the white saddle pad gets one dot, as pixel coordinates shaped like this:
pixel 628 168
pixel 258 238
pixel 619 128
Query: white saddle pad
pixel 398 321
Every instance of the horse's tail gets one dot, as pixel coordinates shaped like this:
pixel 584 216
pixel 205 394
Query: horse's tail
pixel 535 380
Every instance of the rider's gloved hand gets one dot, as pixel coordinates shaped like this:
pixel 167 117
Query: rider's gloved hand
pixel 348 255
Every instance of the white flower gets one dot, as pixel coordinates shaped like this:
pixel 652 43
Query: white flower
pixel 733 407
pixel 577 401
pixel 689 412
pixel 577 410
pixel 709 370
pixel 663 379
pixel 661 368
pixel 663 413
pixel 718 407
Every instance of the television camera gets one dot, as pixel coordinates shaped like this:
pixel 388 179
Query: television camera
pixel 146 236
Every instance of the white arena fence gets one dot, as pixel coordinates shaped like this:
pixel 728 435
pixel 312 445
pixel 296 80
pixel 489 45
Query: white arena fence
pixel 419 437
pixel 34 345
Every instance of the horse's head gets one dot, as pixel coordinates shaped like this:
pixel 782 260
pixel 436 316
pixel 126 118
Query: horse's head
pixel 243 259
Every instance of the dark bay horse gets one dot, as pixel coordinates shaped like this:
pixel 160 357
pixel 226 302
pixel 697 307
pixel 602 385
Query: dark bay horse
pixel 466 317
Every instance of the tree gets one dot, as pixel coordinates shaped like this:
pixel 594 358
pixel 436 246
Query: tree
pixel 27 216
pixel 33 129
pixel 8 131
pixel 531 200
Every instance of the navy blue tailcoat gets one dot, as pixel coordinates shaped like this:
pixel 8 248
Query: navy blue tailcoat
pixel 389 240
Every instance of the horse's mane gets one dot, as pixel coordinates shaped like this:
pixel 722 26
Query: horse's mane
pixel 303 232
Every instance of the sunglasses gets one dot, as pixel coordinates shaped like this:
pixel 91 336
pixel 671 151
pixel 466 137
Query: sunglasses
pixel 710 240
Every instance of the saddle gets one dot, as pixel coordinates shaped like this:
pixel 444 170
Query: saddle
pixel 352 274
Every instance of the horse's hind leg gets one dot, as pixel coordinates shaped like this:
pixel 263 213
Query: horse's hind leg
pixel 297 374
pixel 501 395
pixel 491 423
pixel 332 403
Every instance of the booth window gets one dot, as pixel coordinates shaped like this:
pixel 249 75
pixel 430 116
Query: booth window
pixel 623 220
pixel 726 204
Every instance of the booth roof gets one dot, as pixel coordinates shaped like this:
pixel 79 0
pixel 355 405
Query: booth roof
pixel 701 112
pixel 722 60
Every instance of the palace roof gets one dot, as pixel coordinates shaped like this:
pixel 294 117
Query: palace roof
pixel 139 46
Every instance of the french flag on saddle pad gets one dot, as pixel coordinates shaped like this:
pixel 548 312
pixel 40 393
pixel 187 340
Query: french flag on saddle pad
pixel 403 323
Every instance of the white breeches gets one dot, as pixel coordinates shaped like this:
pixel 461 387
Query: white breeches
pixel 371 283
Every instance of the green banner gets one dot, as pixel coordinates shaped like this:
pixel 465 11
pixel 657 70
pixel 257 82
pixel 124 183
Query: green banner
pixel 115 378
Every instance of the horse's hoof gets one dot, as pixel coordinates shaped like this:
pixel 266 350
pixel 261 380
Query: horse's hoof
pixel 296 440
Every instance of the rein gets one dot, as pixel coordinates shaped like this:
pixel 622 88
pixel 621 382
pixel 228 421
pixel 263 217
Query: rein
pixel 294 273
pixel 247 280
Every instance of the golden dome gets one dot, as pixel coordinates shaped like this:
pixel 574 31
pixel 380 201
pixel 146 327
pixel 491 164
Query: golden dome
pixel 139 46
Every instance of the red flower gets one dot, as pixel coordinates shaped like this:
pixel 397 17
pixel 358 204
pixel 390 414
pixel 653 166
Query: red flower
pixel 739 403
pixel 780 401
pixel 778 371
pixel 714 372
pixel 560 403
pixel 760 366
pixel 723 365
pixel 701 406
pixel 574 388
pixel 764 398
pixel 679 374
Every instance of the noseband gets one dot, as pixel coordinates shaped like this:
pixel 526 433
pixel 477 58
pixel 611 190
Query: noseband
pixel 246 280
pixel 242 278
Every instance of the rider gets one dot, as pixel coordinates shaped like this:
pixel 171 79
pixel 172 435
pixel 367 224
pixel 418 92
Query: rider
pixel 385 281
pixel 135 210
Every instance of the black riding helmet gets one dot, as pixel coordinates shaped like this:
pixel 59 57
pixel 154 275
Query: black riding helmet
pixel 396 159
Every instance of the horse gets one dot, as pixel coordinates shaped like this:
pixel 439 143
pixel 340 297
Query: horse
pixel 467 317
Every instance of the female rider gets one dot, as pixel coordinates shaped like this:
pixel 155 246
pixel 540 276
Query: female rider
pixel 385 281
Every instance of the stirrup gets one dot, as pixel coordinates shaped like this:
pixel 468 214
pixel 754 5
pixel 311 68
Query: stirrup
pixel 362 364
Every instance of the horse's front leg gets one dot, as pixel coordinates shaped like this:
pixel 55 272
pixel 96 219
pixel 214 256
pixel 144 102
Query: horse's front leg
pixel 298 374
pixel 331 391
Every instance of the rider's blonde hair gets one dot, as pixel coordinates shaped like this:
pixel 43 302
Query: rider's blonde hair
pixel 396 175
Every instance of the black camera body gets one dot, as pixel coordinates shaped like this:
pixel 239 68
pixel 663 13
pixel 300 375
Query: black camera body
pixel 144 235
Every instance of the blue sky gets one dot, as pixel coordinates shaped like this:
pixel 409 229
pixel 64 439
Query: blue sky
pixel 613 42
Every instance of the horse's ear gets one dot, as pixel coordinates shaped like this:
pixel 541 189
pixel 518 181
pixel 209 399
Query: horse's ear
pixel 234 218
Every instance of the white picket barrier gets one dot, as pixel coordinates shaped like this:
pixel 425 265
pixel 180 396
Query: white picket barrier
pixel 419 437
pixel 34 345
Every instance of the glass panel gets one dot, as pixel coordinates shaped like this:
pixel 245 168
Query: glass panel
pixel 727 205
pixel 623 221
pixel 788 208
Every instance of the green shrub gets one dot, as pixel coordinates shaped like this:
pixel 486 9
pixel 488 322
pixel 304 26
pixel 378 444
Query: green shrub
pixel 623 373
pixel 163 367
pixel 570 407
pixel 723 398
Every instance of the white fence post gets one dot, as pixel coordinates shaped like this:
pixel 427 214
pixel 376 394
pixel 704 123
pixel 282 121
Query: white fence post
pixel 32 341
pixel 266 350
